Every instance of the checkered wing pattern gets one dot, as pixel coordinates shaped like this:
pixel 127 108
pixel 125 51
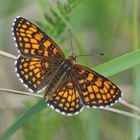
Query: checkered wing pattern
pixel 37 50
pixel 31 41
pixel 33 72
pixel 41 63
pixel 95 89
pixel 66 99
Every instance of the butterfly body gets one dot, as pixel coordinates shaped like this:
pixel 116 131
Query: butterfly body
pixel 69 87
pixel 58 76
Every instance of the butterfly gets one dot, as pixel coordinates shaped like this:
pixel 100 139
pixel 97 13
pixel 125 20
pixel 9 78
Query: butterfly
pixel 69 87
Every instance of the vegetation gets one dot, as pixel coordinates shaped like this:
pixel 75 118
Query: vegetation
pixel 107 27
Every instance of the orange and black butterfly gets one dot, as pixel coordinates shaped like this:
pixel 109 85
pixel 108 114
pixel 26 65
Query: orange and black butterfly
pixel 69 87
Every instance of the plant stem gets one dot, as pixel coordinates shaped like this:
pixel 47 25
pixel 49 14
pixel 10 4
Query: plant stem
pixel 20 92
pixel 7 55
pixel 108 109
pixel 124 113
pixel 134 108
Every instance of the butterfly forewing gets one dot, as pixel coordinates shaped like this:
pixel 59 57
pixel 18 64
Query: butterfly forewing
pixel 31 41
pixel 95 89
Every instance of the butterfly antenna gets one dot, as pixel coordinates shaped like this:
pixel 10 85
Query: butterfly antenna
pixel 89 55
pixel 84 55
pixel 72 52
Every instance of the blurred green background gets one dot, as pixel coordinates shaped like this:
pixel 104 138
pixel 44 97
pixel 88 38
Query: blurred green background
pixel 97 26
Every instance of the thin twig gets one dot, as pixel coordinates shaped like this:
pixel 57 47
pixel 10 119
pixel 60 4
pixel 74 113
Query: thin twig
pixel 128 114
pixel 7 55
pixel 130 105
pixel 21 92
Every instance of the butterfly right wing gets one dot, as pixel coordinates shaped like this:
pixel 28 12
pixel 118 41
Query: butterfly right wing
pixel 95 89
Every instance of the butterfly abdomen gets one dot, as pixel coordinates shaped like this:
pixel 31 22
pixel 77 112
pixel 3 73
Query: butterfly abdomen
pixel 58 77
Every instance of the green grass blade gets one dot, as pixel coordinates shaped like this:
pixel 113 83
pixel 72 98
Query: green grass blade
pixel 136 70
pixel 119 64
pixel 110 68
pixel 19 123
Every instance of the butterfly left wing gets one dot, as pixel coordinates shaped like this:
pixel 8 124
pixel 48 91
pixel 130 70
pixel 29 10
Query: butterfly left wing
pixel 32 41
pixel 66 99
pixel 35 73
pixel 36 49
pixel 95 89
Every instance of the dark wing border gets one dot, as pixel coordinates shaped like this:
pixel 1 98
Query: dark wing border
pixel 83 87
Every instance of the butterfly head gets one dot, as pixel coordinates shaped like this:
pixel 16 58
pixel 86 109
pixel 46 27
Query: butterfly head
pixel 73 57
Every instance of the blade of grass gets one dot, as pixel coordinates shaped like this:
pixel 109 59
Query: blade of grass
pixel 114 66
pixel 136 70
pixel 78 128
pixel 119 64
pixel 93 134
pixel 18 124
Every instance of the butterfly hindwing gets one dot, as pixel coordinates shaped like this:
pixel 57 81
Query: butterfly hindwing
pixel 33 72
pixel 96 90
pixel 66 99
